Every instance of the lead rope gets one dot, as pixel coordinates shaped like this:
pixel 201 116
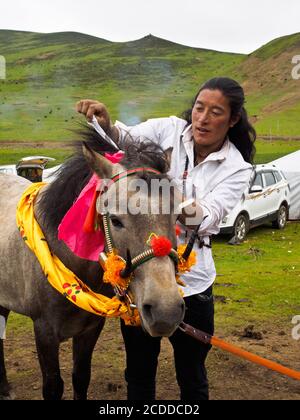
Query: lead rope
pixel 237 351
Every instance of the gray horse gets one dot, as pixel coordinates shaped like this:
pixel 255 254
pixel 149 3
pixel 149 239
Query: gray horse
pixel 24 288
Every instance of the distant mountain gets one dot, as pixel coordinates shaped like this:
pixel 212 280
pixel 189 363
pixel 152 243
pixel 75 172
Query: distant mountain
pixel 150 77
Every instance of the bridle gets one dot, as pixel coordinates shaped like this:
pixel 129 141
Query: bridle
pixel 132 264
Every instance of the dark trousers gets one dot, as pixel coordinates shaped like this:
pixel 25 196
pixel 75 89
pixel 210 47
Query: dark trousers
pixel 142 353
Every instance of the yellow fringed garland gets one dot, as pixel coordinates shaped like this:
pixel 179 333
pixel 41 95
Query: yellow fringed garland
pixel 69 285
pixel 58 275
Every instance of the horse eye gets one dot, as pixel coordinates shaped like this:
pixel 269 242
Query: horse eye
pixel 116 222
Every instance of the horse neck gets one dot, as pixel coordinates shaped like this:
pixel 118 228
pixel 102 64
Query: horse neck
pixel 89 272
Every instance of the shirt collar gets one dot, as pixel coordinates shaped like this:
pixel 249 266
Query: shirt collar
pixel 187 134
pixel 221 154
pixel 216 156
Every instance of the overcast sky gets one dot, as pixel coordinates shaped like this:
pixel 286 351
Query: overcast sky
pixel 225 25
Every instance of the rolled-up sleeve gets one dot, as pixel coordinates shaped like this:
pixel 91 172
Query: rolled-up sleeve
pixel 149 129
pixel 161 131
pixel 221 201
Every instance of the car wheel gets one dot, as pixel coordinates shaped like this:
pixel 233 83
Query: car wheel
pixel 282 216
pixel 241 227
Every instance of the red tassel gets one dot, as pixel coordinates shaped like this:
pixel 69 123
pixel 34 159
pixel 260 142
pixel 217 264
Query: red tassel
pixel 161 246
pixel 89 224
pixel 177 230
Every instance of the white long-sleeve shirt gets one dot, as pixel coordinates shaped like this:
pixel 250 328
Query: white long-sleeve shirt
pixel 217 183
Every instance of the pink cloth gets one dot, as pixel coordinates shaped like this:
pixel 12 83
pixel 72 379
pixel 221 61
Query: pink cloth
pixel 84 245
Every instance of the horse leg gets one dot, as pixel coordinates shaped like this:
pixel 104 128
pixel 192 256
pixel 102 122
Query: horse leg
pixel 47 345
pixel 83 347
pixel 4 386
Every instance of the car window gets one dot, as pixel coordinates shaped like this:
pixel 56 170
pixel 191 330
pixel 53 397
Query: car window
pixel 269 178
pixel 258 180
pixel 33 174
pixel 277 176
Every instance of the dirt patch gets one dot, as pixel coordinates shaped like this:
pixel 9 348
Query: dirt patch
pixel 225 284
pixel 249 332
pixel 230 378
pixel 45 56
pixel 220 299
pixel 286 102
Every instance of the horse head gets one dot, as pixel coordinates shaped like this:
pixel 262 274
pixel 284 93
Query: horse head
pixel 135 209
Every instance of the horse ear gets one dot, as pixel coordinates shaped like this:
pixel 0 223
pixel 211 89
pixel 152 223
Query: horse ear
pixel 99 164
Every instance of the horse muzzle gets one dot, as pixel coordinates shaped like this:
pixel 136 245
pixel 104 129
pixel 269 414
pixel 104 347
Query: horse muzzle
pixel 161 321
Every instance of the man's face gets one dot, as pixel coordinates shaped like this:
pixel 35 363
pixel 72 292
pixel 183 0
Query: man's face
pixel 211 118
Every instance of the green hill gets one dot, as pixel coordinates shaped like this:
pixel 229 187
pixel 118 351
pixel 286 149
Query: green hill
pixel 273 95
pixel 48 73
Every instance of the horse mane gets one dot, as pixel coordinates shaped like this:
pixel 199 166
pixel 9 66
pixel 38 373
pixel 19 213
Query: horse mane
pixel 75 173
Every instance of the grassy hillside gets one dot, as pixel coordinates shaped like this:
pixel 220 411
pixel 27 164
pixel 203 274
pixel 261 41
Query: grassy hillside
pixel 273 95
pixel 48 73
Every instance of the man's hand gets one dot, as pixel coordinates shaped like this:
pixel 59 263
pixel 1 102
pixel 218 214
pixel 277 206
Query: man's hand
pixel 90 108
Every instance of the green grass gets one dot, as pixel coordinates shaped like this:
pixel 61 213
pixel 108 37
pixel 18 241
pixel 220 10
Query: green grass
pixel 284 123
pixel 267 150
pixel 276 46
pixel 18 324
pixel 265 271
pixel 47 75
pixel 10 156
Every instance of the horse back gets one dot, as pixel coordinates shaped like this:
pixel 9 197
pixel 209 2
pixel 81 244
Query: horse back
pixel 18 266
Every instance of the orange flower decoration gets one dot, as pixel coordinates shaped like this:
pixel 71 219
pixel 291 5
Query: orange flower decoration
pixel 113 267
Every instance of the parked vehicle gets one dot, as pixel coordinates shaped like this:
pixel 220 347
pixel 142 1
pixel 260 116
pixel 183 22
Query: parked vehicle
pixel 31 168
pixel 266 200
pixel 8 169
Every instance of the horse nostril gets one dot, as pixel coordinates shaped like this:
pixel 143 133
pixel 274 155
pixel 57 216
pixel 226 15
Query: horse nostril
pixel 147 309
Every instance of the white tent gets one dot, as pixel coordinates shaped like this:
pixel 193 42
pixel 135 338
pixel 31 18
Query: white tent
pixel 290 166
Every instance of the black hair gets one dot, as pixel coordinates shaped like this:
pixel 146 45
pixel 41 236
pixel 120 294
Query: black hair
pixel 243 134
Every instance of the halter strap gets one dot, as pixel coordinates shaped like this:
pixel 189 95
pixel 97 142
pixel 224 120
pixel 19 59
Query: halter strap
pixel 144 256
pixel 134 171
pixel 114 179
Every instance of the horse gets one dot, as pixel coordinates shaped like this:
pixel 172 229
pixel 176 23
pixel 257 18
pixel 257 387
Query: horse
pixel 24 288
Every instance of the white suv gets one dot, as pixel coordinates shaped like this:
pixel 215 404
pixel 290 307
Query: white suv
pixel 266 200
